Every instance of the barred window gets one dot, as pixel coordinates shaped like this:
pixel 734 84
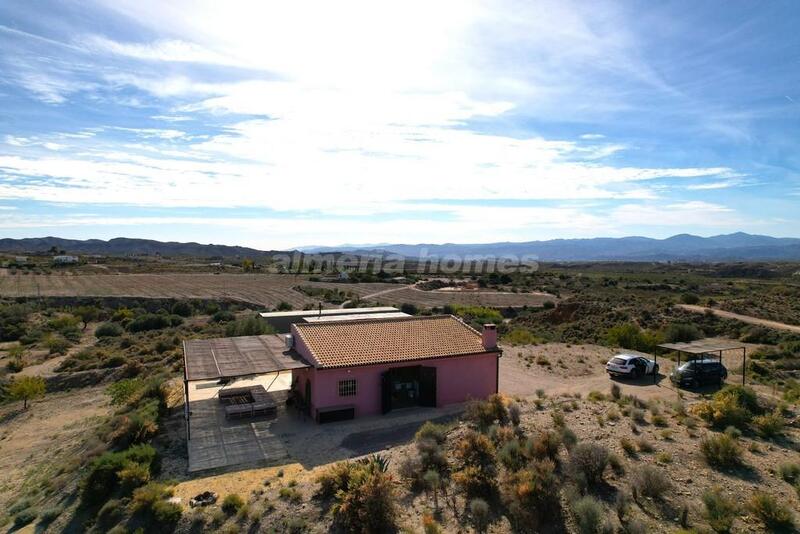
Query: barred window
pixel 347 388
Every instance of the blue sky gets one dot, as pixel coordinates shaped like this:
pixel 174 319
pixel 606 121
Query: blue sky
pixel 310 123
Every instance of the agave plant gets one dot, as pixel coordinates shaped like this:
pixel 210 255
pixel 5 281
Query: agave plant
pixel 377 462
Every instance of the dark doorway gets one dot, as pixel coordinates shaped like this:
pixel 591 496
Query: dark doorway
pixel 405 387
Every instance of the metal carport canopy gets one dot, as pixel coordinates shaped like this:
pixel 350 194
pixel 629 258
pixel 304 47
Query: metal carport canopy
pixel 702 346
pixel 706 346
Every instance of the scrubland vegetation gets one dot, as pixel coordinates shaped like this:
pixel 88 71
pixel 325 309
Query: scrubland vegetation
pixel 588 462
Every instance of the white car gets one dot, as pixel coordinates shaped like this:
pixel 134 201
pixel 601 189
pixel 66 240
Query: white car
pixel 631 365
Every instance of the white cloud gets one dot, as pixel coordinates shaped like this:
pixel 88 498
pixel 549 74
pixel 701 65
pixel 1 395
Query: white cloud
pixel 719 184
pixel 160 50
pixel 682 214
pixel 171 118
pixel 16 141
pixel 363 108
pixel 148 133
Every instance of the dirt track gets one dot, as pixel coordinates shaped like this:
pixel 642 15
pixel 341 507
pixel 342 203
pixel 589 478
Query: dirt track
pixel 744 318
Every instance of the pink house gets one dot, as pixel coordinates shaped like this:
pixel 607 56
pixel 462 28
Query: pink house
pixel 369 367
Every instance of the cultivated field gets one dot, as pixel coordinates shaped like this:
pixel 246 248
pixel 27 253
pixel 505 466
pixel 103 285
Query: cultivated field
pixel 266 290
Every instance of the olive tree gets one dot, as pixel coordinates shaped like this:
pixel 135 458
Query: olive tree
pixel 26 388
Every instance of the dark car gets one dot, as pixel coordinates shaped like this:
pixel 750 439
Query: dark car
pixel 695 373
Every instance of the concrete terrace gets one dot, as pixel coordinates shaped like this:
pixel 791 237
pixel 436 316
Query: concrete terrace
pixel 219 445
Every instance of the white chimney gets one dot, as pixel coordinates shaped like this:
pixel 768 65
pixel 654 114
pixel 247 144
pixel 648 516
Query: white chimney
pixel 289 340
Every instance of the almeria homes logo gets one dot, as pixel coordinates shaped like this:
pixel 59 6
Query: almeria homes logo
pixel 395 263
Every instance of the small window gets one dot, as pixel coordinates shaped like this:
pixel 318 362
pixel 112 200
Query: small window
pixel 347 388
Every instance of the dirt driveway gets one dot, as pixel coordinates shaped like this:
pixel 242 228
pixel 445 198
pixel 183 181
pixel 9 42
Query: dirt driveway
pixel 743 318
pixel 558 368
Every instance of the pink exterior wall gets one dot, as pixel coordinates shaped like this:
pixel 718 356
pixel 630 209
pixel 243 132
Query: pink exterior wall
pixel 458 379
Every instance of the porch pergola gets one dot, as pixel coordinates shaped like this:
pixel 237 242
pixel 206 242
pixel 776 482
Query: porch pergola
pixel 695 350
pixel 230 358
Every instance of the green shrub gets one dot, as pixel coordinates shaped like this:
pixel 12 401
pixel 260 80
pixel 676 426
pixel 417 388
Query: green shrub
pixel 775 515
pixel 367 501
pixel 56 344
pixel 250 326
pixel 790 472
pixel 531 494
pixel 511 455
pixel 290 494
pixel 514 413
pixel 333 479
pixel 478 316
pixel 660 420
pixel 18 506
pixel 589 515
pixel 568 438
pixel 595 396
pixel 103 477
pixel 139 425
pixel 628 446
pixel 124 390
pixel 65 324
pixel 166 514
pixel 630 336
pixel 13 319
pixel 48 515
pixel 110 514
pixel 587 463
pixel 682 333
pixel 432 431
pixel 770 425
pixel 616 464
pixel 731 406
pixel 132 476
pixel 479 514
pixel 520 336
pixel 721 451
pixel 544 445
pixel 223 316
pixel 637 415
pixel 644 445
pixel 720 511
pixel 182 308
pixel 408 308
pixel 150 502
pixel 690 298
pixel 474 456
pixel 109 330
pixel 486 413
pixel 650 481
pixel 24 517
pixel 232 503
pixel 153 321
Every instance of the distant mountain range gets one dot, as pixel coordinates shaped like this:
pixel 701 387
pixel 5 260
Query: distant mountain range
pixel 684 247
pixel 123 246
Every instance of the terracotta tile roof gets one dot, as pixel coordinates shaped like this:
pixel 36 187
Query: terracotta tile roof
pixel 353 343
